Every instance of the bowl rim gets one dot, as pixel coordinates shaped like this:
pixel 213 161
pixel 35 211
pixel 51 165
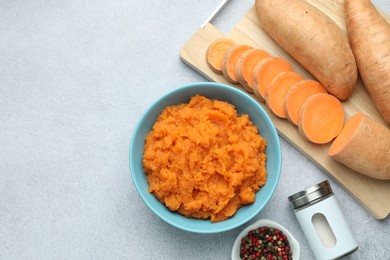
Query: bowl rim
pixel 273 132
pixel 294 244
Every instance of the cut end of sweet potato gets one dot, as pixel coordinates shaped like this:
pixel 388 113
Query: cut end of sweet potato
pixel 215 53
pixel 346 134
pixel 364 146
pixel 321 118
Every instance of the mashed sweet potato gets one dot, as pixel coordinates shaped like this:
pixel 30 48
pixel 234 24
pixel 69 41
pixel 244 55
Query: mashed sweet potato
pixel 204 160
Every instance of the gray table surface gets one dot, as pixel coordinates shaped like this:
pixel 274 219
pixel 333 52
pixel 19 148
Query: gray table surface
pixel 75 77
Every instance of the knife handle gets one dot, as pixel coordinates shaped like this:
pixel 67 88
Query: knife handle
pixel 215 12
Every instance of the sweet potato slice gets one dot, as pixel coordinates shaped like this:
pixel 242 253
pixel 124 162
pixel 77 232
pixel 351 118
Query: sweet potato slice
pixel 297 95
pixel 215 53
pixel 230 61
pixel 265 71
pixel 277 90
pixel 245 66
pixel 321 118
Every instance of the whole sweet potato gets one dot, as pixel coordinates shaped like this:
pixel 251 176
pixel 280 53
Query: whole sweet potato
pixel 369 35
pixel 314 40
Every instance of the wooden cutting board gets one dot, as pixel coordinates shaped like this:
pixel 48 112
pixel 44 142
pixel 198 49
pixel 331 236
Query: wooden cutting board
pixel 373 194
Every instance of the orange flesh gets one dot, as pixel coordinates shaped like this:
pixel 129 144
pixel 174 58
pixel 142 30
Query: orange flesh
pixel 297 95
pixel 254 56
pixel 278 89
pixel 321 118
pixel 346 134
pixel 204 160
pixel 216 52
pixel 230 61
pixel 266 71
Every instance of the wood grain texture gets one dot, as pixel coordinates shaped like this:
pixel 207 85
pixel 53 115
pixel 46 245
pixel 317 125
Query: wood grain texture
pixel 373 194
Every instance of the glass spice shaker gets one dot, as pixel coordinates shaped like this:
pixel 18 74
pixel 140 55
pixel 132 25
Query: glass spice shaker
pixel 322 222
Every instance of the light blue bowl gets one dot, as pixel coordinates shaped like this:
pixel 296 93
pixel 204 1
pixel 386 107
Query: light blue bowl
pixel 244 104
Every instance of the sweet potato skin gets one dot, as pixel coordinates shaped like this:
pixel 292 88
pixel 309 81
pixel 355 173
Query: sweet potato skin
pixel 369 36
pixel 314 40
pixel 367 151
